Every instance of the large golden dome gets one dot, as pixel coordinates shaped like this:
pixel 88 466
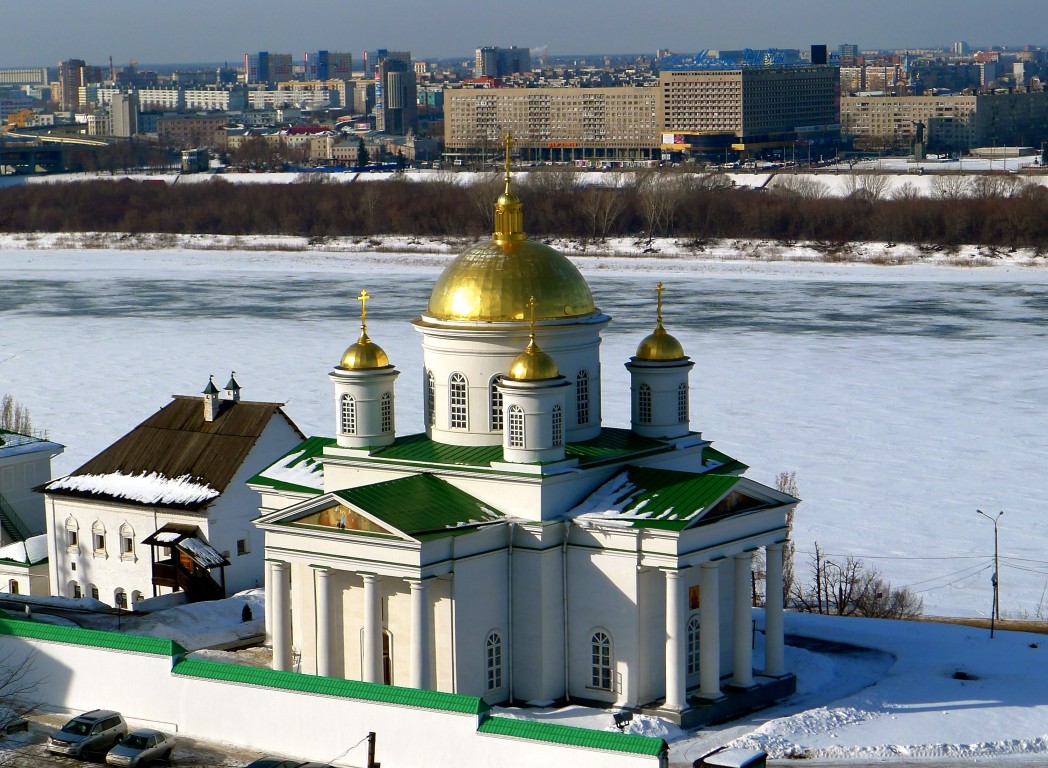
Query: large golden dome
pixel 493 282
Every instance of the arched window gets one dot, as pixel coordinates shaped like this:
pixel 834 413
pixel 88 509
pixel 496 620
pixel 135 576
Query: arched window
pixel 98 538
pixel 516 426
pixel 72 533
pixel 558 425
pixel 12 586
pixel 682 402
pixel 600 664
pixel 349 415
pixel 494 660
pixel 457 400
pixel 693 645
pixel 136 598
pixel 127 541
pixel 582 397
pixel 120 598
pixel 74 590
pixel 94 591
pixel 496 405
pixel 431 399
pixel 387 413
pixel 644 404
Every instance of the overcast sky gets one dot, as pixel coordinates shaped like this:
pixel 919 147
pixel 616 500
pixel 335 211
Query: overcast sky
pixel 41 32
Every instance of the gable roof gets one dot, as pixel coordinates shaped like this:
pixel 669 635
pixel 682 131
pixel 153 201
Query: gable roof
pixel 175 458
pixel 15 443
pixel 643 497
pixel 420 507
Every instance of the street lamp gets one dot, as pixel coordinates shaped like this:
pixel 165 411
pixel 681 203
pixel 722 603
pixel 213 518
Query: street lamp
pixel 995 614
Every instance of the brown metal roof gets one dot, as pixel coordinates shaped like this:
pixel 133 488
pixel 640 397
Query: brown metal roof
pixel 176 441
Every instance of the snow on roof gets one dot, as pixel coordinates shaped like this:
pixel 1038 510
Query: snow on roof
pixel 32 550
pixel 202 552
pixel 166 537
pixel 610 502
pixel 151 488
pixel 291 469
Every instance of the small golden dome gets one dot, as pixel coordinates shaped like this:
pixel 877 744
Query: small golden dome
pixel 533 365
pixel 364 355
pixel 660 347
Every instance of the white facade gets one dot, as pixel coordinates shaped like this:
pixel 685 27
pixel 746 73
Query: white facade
pixel 25 463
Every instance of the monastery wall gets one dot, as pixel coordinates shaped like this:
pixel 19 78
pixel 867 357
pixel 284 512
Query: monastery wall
pixel 323 719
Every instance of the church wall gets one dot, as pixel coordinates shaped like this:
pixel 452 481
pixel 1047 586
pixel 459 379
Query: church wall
pixel 339 476
pixel 19 474
pixel 603 596
pixel 481 606
pixel 442 649
pixel 538 623
pixel 651 634
pixel 304 617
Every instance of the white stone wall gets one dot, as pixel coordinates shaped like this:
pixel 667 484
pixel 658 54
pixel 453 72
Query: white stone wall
pixel 19 474
pixel 72 678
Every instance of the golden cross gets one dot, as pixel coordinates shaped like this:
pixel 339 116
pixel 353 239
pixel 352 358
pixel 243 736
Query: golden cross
pixel 531 308
pixel 659 289
pixel 508 144
pixel 363 299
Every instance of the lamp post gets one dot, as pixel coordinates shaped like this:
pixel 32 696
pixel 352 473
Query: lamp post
pixel 995 614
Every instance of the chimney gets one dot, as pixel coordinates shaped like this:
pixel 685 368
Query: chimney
pixel 211 402
pixel 232 388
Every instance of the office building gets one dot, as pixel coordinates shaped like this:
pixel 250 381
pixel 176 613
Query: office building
pixel 265 67
pixel 396 95
pixel 500 62
pixel 328 65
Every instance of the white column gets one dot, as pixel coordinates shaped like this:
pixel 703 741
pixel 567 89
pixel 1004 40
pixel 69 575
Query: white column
pixel 774 634
pixel 419 634
pixel 676 683
pixel 372 630
pixel 709 631
pixel 280 581
pixel 267 572
pixel 325 638
pixel 743 677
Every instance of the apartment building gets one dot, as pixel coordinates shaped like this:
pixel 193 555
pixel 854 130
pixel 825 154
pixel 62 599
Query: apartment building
pixel 552 124
pixel 23 76
pixel 328 65
pixel 190 131
pixel 1018 117
pixel 749 108
pixel 266 67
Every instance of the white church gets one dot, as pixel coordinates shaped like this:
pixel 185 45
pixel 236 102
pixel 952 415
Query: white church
pixel 518 550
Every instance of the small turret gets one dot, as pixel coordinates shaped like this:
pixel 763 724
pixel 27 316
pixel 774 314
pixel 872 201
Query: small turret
pixel 211 401
pixel 232 388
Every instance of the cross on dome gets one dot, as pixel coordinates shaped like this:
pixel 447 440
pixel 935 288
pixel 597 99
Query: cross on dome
pixel 363 299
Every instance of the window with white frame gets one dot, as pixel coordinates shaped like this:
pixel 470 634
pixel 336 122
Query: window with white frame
pixel 127 542
pixel 387 413
pixel 494 660
pixel 644 404
pixel 600 661
pixel 516 426
pixel 98 538
pixel 558 426
pixel 94 592
pixel 431 399
pixel 693 645
pixel 120 598
pixel 496 405
pixel 12 586
pixel 457 401
pixel 349 415
pixel 241 547
pixel 72 534
pixel 682 402
pixel 74 590
pixel 582 397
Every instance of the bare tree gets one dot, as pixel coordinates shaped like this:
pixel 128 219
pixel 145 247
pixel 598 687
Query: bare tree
pixel 19 697
pixel 794 186
pixel 14 417
pixel 868 186
pixel 946 187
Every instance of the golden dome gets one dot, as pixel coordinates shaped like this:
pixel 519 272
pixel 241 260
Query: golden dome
pixel 533 365
pixel 364 355
pixel 493 281
pixel 660 347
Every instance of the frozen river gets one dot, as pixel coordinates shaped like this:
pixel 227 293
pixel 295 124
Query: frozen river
pixel 904 398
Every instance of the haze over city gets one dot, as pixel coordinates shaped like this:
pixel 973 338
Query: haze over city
pixel 202 30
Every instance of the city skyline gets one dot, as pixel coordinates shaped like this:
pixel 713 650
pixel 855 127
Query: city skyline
pixel 47 31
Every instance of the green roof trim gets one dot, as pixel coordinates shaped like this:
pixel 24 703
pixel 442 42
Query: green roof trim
pixel 422 506
pixel 727 463
pixel 586 738
pixel 331 686
pixel 311 450
pixel 117 641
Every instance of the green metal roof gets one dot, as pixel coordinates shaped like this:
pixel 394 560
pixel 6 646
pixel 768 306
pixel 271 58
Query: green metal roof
pixel 330 686
pixel 117 641
pixel 307 453
pixel 422 506
pixel 657 498
pixel 726 462
pixel 554 733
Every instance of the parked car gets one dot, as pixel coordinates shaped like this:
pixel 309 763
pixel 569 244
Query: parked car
pixel 93 732
pixel 141 747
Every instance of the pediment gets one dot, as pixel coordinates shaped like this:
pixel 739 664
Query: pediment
pixel 343 518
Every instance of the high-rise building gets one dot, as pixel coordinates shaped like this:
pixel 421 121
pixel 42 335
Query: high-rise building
pixel 848 52
pixel 328 65
pixel 123 114
pixel 491 61
pixel 266 67
pixel 70 79
pixel 396 95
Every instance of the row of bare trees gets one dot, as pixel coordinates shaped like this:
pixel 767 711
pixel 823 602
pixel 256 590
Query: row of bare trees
pixel 14 417
pixel 992 211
